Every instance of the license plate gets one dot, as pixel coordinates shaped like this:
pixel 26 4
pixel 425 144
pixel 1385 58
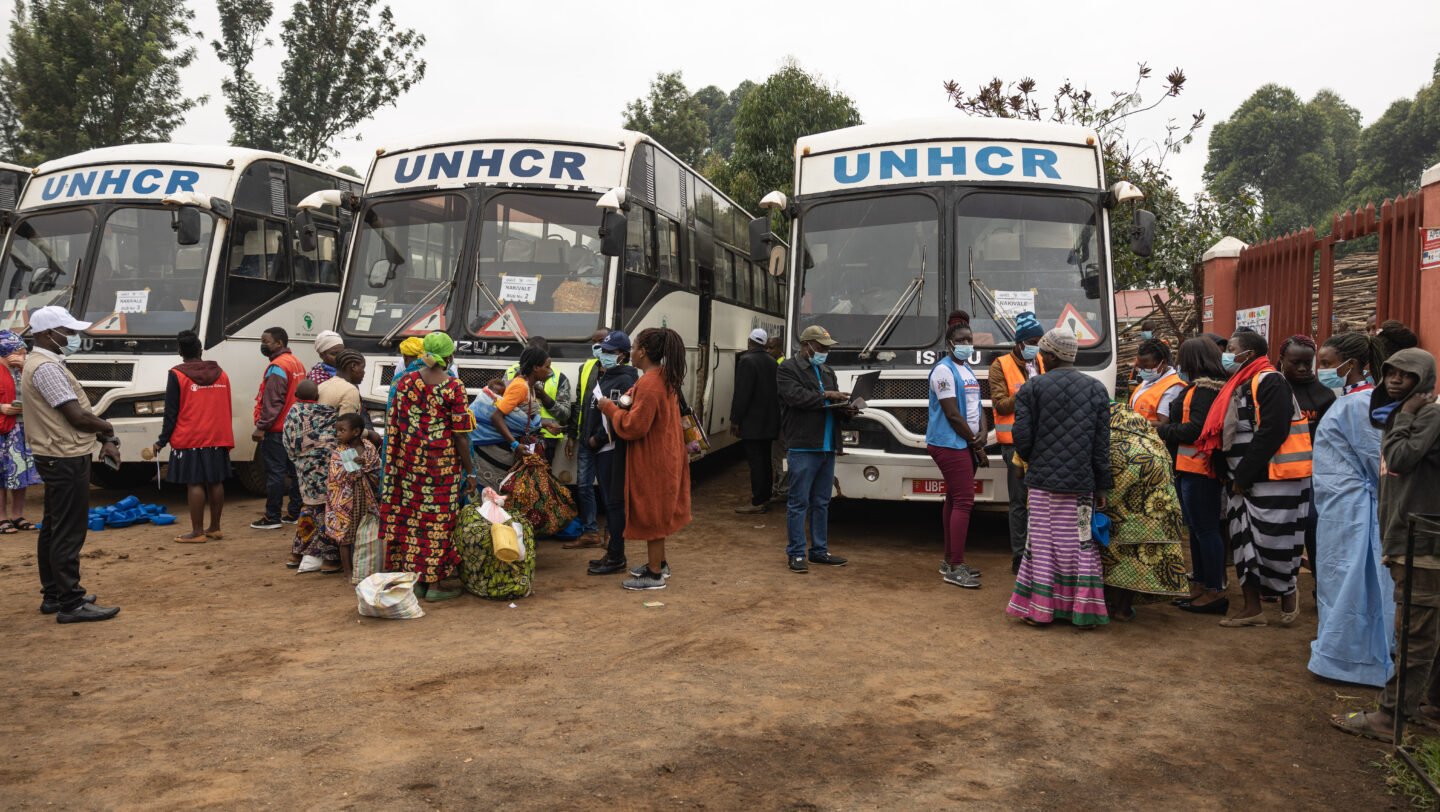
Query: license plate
pixel 937 486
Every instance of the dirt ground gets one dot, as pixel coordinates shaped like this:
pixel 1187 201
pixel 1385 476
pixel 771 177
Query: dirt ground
pixel 230 682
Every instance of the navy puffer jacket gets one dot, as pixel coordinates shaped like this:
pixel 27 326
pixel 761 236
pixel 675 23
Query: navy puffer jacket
pixel 1062 431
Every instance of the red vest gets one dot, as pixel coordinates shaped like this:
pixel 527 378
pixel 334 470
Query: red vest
pixel 294 372
pixel 204 418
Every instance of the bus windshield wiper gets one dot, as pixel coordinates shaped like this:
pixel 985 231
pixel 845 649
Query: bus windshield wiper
pixel 892 319
pixel 409 314
pixel 516 331
pixel 981 295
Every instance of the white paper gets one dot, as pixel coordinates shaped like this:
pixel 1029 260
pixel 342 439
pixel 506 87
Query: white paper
pixel 519 288
pixel 132 301
pixel 352 314
pixel 362 324
pixel 9 305
pixel 397 312
pixel 1011 303
pixel 367 305
pixel 1256 318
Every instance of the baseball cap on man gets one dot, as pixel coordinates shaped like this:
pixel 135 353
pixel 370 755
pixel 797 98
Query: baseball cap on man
pixel 817 334
pixel 759 336
pixel 53 316
pixel 616 341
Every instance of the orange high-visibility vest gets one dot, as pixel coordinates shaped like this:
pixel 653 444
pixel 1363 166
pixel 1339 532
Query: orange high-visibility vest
pixel 1293 460
pixel 1147 403
pixel 1188 458
pixel 1014 376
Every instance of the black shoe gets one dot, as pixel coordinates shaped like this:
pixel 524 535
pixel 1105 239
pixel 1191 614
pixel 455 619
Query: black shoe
pixel 826 558
pixel 1219 607
pixel 87 613
pixel 1015 565
pixel 606 567
pixel 799 565
pixel 51 607
pixel 265 523
pixel 290 519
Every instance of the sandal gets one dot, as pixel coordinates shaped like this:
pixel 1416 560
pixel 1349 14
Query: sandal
pixel 214 535
pixel 7 528
pixel 25 524
pixel 335 571
pixel 1289 618
pixel 1358 724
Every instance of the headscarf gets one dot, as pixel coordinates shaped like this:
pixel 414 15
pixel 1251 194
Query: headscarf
pixel 327 340
pixel 1027 327
pixel 10 344
pixel 1213 433
pixel 438 347
pixel 412 347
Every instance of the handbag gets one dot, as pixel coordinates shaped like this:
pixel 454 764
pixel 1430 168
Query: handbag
pixel 696 440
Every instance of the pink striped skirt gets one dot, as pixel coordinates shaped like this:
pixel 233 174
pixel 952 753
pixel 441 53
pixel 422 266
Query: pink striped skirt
pixel 1061 576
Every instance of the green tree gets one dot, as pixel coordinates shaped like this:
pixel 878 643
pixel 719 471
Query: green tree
pixel 344 61
pixel 82 74
pixel 1398 146
pixel 720 108
pixel 672 116
pixel 789 104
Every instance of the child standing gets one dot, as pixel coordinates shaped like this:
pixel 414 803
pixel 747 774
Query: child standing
pixel 352 511
pixel 309 436
pixel 17 468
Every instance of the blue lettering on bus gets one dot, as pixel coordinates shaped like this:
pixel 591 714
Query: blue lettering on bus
pixel 568 162
pixel 517 166
pixel 118 182
pixel 182 180
pixel 1039 159
pixel 81 183
pixel 446 163
pixel 113 182
pixel 491 162
pixel 984 162
pixel 906 163
pixel 53 187
pixel 142 181
pixel 862 168
pixel 404 172
pixel 956 161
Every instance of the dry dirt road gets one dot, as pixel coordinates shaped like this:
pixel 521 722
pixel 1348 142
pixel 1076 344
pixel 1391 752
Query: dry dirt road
pixel 230 682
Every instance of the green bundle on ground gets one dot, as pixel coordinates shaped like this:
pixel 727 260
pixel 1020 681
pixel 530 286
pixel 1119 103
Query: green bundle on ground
pixel 481 571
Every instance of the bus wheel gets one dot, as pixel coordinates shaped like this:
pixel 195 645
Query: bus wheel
pixel 130 477
pixel 251 476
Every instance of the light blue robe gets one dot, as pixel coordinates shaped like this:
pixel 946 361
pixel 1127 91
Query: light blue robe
pixel 1355 592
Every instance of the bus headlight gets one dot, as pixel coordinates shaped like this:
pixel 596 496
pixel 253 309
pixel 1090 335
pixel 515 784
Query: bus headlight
pixel 850 438
pixel 147 408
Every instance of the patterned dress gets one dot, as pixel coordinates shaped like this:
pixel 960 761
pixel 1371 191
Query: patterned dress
pixel 1146 524
pixel 309 435
pixel 423 476
pixel 321 372
pixel 17 466
pixel 351 493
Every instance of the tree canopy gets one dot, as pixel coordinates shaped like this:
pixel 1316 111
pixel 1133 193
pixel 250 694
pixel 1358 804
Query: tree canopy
pixel 1398 146
pixel 82 74
pixel 670 114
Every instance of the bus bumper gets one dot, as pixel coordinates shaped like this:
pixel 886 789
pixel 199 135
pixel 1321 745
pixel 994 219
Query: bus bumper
pixel 911 478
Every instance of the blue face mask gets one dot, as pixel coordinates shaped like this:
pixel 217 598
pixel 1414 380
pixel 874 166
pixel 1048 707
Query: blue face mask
pixel 1330 378
pixel 1227 360
pixel 1031 352
pixel 963 352
pixel 72 345
pixel 819 358
pixel 595 350
pixel 608 359
pixel 1148 375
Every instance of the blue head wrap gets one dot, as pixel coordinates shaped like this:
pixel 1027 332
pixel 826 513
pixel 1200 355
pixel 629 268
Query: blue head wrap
pixel 10 343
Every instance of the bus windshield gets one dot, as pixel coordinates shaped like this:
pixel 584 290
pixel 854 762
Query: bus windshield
pixel 866 258
pixel 1019 252
pixel 45 257
pixel 405 257
pixel 541 254
pixel 142 282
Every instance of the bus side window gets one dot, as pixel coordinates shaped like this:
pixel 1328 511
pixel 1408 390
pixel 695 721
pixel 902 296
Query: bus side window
pixel 257 263
pixel 318 267
pixel 640 241
pixel 724 273
pixel 667 238
pixel 742 280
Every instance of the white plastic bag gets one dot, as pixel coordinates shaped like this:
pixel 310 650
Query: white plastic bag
pixel 389 594
pixel 310 563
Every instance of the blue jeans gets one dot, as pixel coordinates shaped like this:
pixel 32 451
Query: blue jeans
pixel 278 467
pixel 585 489
pixel 812 480
pixel 1201 504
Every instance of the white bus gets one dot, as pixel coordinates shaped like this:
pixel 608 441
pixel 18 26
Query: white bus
pixel 502 233
pixel 147 240
pixel 896 225
pixel 12 183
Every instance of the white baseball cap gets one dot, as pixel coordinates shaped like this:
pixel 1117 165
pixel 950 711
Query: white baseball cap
pixel 759 336
pixel 52 316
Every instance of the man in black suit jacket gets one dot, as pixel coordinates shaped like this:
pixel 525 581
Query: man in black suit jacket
pixel 755 417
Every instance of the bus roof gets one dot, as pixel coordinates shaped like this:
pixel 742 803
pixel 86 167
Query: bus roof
pixel 524 132
pixel 14 167
pixel 955 127
pixel 193 154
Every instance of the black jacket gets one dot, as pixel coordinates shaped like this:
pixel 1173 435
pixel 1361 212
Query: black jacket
pixel 613 383
pixel 1062 431
pixel 802 404
pixel 1178 432
pixel 755 407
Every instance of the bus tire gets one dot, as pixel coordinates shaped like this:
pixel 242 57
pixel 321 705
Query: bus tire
pixel 130 477
pixel 251 476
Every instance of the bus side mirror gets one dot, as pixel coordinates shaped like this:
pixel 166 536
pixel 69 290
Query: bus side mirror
pixel 305 229
pixel 612 234
pixel 1142 233
pixel 381 272
pixel 760 238
pixel 186 222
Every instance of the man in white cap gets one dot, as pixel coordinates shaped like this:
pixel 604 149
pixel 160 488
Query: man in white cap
pixel 328 345
pixel 755 417
pixel 63 433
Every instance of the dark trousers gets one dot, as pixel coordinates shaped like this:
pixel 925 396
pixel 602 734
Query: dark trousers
pixel 279 469
pixel 1019 503
pixel 958 468
pixel 1201 502
pixel 62 532
pixel 1422 672
pixel 613 494
pixel 762 478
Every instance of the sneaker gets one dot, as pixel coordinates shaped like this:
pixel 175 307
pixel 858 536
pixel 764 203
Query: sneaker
pixel 799 565
pixel 605 566
pixel 643 581
pixel 960 576
pixel 826 558
pixel 748 509
pixel 640 570
pixel 968 569
pixel 265 523
pixel 290 519
pixel 944 567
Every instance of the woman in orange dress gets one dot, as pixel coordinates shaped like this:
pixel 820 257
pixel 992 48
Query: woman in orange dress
pixel 657 466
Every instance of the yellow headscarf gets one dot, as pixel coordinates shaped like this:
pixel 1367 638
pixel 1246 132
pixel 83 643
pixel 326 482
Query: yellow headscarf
pixel 412 347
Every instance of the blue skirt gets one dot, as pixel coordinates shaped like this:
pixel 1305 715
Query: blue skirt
pixel 17 467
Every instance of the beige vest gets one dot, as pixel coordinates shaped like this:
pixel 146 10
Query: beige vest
pixel 49 433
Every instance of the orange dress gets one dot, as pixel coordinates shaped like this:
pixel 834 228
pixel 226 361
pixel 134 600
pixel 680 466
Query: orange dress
pixel 657 467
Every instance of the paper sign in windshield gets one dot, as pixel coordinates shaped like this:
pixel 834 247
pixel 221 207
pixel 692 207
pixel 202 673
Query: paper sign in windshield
pixel 519 288
pixel 1011 303
pixel 132 301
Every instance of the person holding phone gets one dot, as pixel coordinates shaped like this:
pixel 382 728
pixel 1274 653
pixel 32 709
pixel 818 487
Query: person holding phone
pixel 609 448
pixel 64 432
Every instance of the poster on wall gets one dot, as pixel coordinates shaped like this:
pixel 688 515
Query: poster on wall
pixel 1429 248
pixel 1256 318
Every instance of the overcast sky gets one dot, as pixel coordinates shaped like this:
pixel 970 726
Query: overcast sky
pixel 582 61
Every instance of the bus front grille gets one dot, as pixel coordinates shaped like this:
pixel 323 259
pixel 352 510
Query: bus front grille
pixel 101 371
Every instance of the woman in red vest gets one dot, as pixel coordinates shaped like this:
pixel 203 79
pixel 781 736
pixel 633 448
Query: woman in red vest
pixel 197 428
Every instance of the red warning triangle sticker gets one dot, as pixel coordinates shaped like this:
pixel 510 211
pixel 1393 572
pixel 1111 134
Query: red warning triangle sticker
pixel 503 324
pixel 431 322
pixel 1070 319
pixel 113 324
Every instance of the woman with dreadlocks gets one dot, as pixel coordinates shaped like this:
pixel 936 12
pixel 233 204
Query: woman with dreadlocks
pixel 1353 589
pixel 657 466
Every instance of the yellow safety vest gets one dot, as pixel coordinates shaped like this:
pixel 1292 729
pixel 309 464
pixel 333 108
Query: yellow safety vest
pixel 552 388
